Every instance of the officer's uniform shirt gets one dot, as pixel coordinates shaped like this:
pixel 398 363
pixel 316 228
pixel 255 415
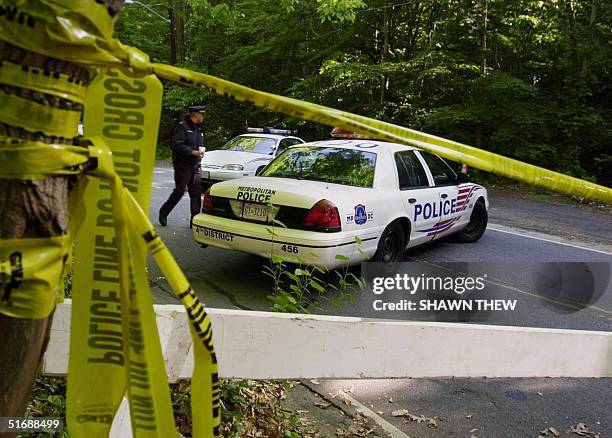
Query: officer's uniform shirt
pixel 186 138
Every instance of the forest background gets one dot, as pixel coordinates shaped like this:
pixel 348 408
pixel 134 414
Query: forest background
pixel 527 79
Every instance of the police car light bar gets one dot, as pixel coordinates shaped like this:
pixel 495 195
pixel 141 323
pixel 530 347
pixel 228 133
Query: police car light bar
pixel 268 130
pixel 345 133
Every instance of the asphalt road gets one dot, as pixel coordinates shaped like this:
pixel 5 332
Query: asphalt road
pixel 230 279
pixel 538 232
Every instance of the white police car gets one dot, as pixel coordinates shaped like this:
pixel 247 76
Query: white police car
pixel 330 203
pixel 246 154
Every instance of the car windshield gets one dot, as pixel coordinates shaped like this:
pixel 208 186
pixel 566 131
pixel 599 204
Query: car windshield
pixel 327 164
pixel 259 145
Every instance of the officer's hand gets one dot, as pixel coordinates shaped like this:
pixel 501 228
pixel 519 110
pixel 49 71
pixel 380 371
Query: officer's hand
pixel 198 154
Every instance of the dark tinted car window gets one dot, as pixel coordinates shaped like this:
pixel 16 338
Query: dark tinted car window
pixel 410 170
pixel 441 172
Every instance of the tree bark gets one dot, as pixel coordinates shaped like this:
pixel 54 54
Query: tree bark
pixel 484 38
pixel 385 50
pixel 181 7
pixel 585 59
pixel 173 36
pixel 29 209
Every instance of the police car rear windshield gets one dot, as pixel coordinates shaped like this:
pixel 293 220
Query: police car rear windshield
pixel 331 165
pixel 259 145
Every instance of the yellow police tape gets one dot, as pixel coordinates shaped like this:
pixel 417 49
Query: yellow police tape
pixel 449 149
pixel 114 345
pixel 32 279
pixel 114 336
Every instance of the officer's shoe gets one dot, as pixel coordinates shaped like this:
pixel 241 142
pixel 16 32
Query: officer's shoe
pixel 163 219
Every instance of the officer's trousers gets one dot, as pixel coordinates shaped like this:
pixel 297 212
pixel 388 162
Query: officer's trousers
pixel 186 177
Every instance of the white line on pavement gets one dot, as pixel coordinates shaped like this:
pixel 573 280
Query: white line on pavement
pixel 393 431
pixel 559 242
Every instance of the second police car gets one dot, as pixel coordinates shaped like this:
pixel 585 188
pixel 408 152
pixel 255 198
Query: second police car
pixel 354 199
pixel 245 155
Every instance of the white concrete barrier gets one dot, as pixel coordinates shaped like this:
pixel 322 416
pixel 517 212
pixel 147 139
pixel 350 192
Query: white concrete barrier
pixel 263 345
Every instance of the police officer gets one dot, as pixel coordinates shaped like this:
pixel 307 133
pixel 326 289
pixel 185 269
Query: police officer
pixel 186 156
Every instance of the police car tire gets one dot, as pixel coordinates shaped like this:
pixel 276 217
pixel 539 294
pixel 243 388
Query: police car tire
pixel 393 235
pixel 477 225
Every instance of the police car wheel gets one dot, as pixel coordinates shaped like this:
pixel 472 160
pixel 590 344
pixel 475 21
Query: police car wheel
pixel 477 225
pixel 391 244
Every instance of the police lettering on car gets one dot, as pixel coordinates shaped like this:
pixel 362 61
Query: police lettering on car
pixel 255 194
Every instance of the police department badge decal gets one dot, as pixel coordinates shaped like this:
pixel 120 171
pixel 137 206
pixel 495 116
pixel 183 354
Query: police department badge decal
pixel 361 216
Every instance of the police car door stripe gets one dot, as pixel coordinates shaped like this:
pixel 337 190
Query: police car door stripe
pixel 464 199
pixel 440 226
pixel 444 228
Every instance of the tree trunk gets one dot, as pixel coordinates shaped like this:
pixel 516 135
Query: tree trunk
pixel 585 59
pixel 385 51
pixel 180 30
pixel 29 209
pixel 484 38
pixel 172 36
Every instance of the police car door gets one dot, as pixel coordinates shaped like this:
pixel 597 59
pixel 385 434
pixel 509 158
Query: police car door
pixel 416 192
pixel 444 212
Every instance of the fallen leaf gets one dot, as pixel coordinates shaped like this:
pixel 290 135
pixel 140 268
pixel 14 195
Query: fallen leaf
pixel 469 417
pixel 400 413
pixel 554 431
pixel 322 405
pixel 431 422
pixel 582 429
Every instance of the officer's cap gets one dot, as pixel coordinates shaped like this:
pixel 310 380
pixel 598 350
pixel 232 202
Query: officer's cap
pixel 197 108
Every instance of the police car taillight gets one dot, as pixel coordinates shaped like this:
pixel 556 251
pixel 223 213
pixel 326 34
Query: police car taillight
pixel 208 203
pixel 323 215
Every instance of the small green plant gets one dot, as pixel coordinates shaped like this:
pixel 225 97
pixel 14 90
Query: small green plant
pixel 48 400
pixel 302 288
pixel 68 284
pixel 294 291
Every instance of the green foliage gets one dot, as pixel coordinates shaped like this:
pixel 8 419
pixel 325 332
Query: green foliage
pixel 68 284
pixel 302 288
pixel 48 400
pixel 339 10
pixel 246 406
pixel 525 78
